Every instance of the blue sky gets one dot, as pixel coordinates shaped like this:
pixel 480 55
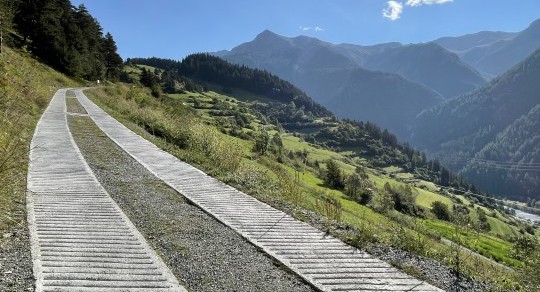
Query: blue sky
pixel 174 29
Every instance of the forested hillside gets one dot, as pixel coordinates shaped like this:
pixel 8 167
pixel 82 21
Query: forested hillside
pixel 510 164
pixel 67 38
pixel 495 123
pixel 297 113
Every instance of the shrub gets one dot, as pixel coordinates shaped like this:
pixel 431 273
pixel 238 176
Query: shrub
pixel 440 210
pixel 359 188
pixel 483 223
pixel 262 141
pixel 333 175
pixel 404 200
pixel 226 155
pixel 527 249
pixel 382 201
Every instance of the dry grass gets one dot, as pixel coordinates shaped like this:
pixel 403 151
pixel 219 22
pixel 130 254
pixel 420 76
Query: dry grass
pixel 26 87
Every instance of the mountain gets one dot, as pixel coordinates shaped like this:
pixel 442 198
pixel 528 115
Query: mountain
pixel 497 122
pixel 495 52
pixel 416 76
pixel 464 43
pixel 429 64
pixel 400 104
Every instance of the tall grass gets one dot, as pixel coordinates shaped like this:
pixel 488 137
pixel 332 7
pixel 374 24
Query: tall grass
pixel 175 123
pixel 26 87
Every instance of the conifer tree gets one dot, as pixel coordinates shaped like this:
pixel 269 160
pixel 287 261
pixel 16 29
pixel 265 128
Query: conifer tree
pixel 113 61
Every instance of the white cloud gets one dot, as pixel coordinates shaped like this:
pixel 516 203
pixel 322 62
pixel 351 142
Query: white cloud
pixel 308 28
pixel 393 10
pixel 426 2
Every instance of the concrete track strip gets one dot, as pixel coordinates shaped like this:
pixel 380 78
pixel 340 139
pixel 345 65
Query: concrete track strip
pixel 80 239
pixel 322 260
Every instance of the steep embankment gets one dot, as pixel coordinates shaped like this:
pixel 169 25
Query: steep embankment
pixel 26 87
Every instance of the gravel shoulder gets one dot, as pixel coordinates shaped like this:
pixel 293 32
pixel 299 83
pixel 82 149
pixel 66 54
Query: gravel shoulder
pixel 204 254
pixel 16 260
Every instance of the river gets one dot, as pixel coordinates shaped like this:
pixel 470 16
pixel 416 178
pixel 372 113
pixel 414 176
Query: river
pixel 525 215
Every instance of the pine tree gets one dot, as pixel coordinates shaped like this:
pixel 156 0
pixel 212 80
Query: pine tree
pixel 113 61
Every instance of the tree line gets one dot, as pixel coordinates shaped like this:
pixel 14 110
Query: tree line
pixel 212 69
pixel 65 37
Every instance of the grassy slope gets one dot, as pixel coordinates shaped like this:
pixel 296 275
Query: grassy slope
pixel 380 228
pixel 26 86
pixel 491 245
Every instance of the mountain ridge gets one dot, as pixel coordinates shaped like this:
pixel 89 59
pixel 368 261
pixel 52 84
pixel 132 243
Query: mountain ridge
pixel 325 71
pixel 493 53
pixel 367 57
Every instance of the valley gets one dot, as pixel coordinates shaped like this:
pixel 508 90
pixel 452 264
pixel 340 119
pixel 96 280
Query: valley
pixel 408 89
pixel 300 184
pixel 300 160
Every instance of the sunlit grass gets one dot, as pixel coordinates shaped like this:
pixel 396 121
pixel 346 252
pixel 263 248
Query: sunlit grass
pixel 26 87
pixel 387 229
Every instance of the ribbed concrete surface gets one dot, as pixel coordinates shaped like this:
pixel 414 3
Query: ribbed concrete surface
pixel 81 240
pixel 324 261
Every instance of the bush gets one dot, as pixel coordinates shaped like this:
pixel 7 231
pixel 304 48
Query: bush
pixel 483 223
pixel 527 249
pixel 226 155
pixel 382 202
pixel 333 176
pixel 262 141
pixel 358 187
pixel 440 210
pixel 404 200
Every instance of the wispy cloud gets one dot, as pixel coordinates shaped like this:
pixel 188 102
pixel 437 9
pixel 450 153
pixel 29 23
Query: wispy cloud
pixel 308 28
pixel 426 2
pixel 393 10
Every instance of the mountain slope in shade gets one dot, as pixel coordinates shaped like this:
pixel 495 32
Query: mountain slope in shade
pixel 301 60
pixel 416 75
pixel 519 147
pixel 429 64
pixel 388 99
pixel 459 129
pixel 332 76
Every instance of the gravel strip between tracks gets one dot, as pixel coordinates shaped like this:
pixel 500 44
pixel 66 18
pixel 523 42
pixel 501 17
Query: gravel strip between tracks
pixel 204 254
